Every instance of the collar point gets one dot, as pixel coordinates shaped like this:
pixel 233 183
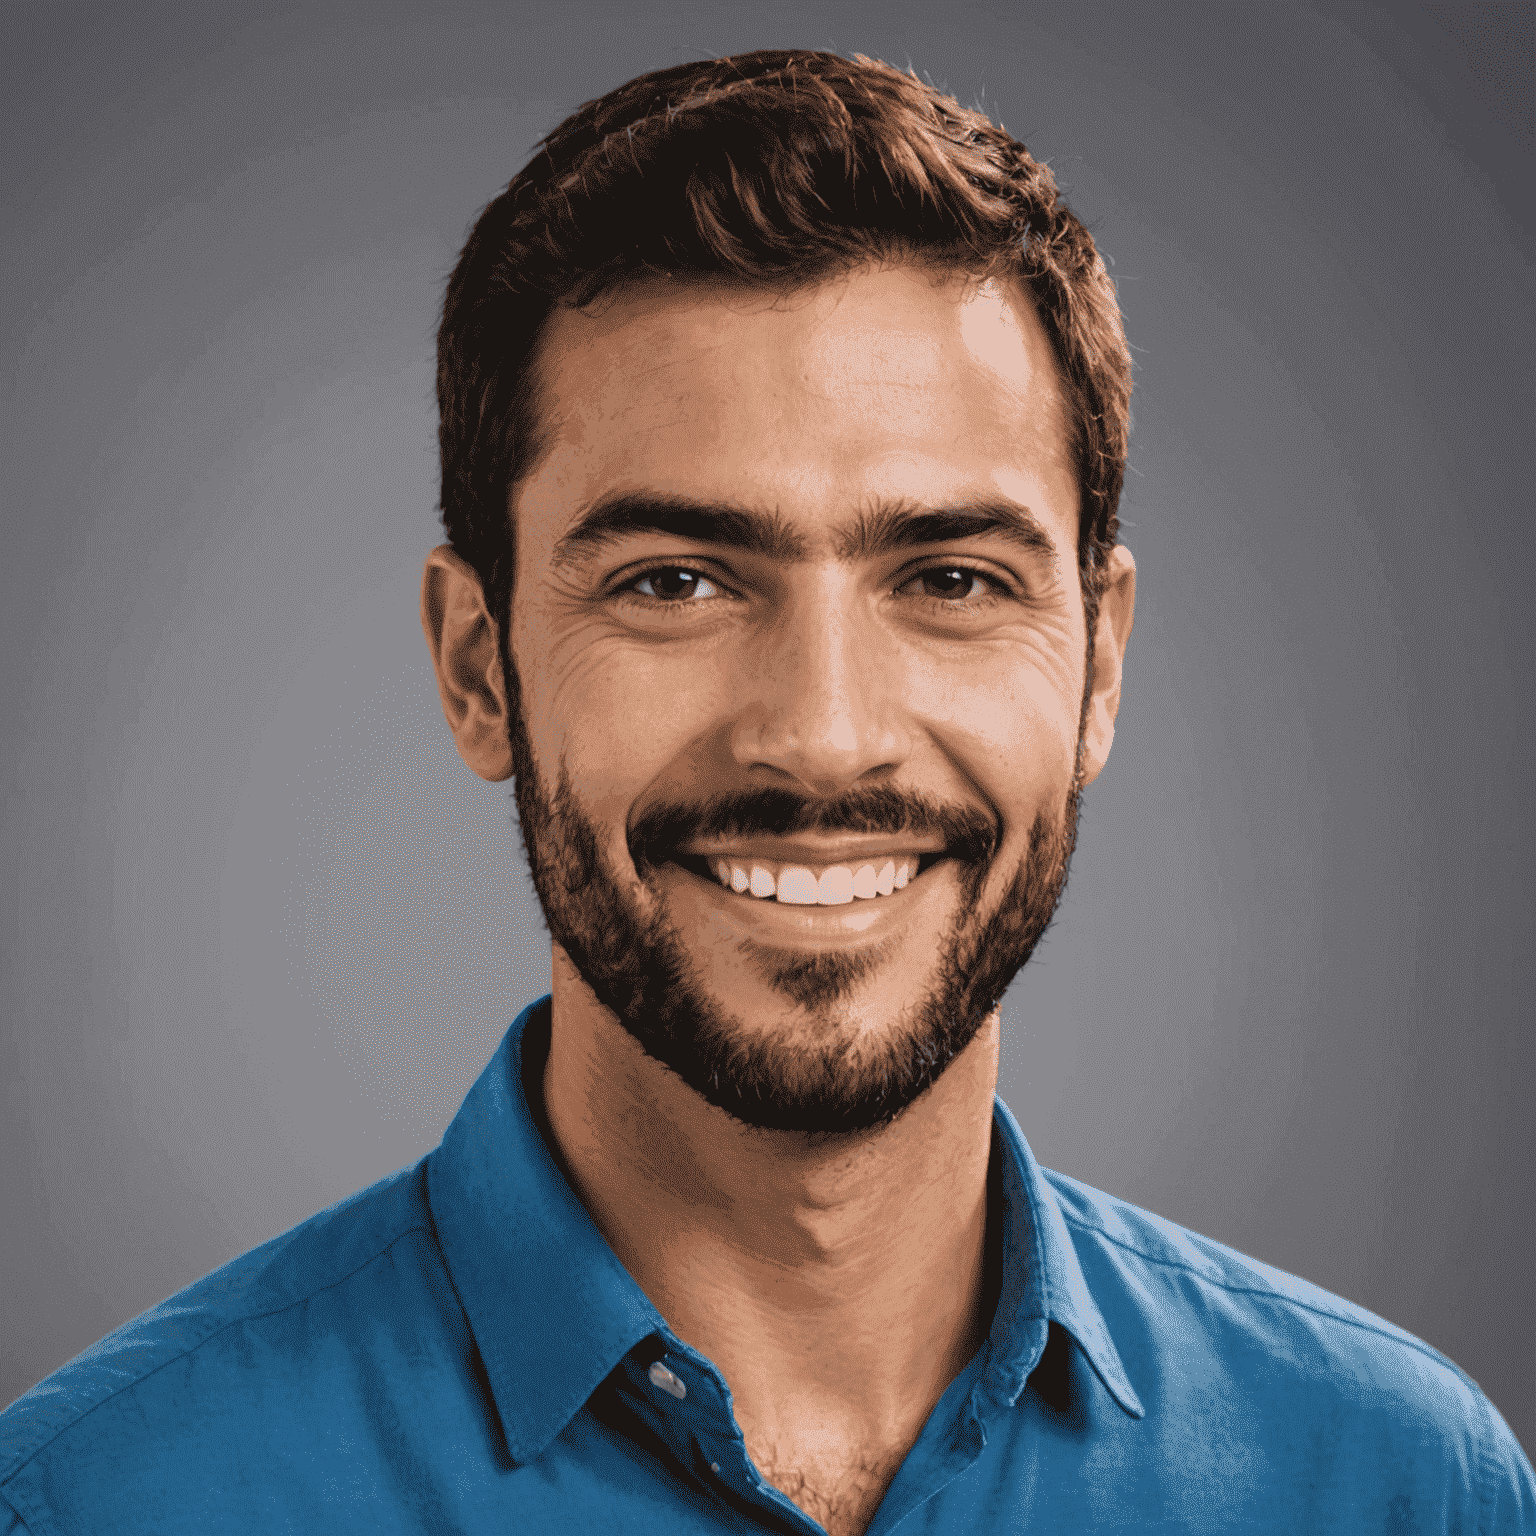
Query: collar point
pixel 1123 1393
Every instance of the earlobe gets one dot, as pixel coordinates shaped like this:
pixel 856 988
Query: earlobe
pixel 1117 614
pixel 462 641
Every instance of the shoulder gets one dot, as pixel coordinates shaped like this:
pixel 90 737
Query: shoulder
pixel 1192 1317
pixel 1111 1232
pixel 240 1320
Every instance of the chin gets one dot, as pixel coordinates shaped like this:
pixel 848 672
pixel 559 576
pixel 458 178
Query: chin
pixel 874 999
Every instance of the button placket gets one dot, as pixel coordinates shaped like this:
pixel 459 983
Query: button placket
pixel 702 1413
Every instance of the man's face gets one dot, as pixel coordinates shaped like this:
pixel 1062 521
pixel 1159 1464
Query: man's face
pixel 801 648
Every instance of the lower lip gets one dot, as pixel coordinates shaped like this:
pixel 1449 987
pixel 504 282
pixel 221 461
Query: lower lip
pixel 765 918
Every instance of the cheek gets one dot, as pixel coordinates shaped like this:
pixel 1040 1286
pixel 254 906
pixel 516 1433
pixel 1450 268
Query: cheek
pixel 615 714
pixel 1011 728
pixel 1020 691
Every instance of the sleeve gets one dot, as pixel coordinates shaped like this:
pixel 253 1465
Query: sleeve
pixel 1508 1485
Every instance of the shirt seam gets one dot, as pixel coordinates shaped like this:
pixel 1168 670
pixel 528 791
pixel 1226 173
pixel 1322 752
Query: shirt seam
pixel 234 1322
pixel 1407 1341
pixel 1485 1467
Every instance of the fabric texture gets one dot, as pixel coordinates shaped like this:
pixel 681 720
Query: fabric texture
pixel 457 1349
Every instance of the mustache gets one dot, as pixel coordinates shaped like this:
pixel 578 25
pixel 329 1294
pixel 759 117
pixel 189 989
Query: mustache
pixel 965 832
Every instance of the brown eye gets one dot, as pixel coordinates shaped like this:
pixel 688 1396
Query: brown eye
pixel 951 582
pixel 675 583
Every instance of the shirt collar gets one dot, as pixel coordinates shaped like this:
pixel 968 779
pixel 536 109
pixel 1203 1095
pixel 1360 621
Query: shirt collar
pixel 1042 1280
pixel 553 1311
pixel 551 1307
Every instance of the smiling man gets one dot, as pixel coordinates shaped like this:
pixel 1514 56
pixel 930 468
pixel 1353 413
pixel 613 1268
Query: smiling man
pixel 803 650
pixel 784 414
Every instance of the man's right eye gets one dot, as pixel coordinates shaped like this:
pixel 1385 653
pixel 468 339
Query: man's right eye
pixel 674 583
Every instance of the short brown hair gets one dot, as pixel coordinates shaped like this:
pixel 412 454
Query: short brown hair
pixel 773 168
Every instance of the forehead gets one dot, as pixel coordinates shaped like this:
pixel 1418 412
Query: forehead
pixel 885 385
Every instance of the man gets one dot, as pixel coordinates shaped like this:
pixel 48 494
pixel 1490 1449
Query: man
pixel 784 416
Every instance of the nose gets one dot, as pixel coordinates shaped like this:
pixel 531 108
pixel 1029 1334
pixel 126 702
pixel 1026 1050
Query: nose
pixel 822 706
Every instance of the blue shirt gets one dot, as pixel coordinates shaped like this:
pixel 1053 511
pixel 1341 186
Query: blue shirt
pixel 457 1349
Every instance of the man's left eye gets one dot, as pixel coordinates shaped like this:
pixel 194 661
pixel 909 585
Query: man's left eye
pixel 675 583
pixel 952 582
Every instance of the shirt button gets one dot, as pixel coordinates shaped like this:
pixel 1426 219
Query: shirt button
pixel 663 1378
pixel 714 1466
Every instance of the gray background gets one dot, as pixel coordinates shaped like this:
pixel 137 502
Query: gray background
pixel 263 929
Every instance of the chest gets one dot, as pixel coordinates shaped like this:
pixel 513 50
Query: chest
pixel 838 1479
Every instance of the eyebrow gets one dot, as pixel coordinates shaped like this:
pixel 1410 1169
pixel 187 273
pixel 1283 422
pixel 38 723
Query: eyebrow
pixel 613 516
pixel 883 529
pixel 890 528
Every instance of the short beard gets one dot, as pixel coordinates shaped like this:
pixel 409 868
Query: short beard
pixel 638 967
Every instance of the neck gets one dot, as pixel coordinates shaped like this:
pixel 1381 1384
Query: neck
pixel 843 1278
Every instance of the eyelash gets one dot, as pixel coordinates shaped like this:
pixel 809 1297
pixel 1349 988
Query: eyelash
pixel 628 587
pixel 1000 588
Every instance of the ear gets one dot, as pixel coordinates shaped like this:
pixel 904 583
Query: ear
pixel 1117 612
pixel 462 640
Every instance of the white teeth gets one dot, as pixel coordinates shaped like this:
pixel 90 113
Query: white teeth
pixel 799 886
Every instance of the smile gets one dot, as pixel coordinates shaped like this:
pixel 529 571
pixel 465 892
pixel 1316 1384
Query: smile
pixel 803 887
pixel 793 883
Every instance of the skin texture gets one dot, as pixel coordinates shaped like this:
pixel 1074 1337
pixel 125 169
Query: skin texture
pixel 837 1280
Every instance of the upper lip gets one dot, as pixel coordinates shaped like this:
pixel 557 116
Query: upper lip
pixel 848 849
